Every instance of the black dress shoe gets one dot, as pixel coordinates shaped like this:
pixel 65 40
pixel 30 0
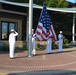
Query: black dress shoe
pixel 11 58
pixel 48 53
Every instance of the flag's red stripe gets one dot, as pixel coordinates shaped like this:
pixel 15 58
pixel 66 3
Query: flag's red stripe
pixel 53 33
pixel 40 27
pixel 40 34
pixel 43 32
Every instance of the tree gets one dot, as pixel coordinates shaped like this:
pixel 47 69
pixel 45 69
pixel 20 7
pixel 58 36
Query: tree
pixel 49 3
pixel 39 2
pixel 57 3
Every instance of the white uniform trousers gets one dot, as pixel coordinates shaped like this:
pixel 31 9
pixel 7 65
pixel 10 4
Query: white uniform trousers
pixel 12 48
pixel 60 45
pixel 33 46
pixel 49 45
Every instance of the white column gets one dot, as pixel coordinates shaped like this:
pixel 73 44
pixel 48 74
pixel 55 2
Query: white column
pixel 73 29
pixel 30 27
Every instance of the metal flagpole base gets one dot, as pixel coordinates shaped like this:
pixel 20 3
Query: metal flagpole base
pixel 30 55
pixel 73 42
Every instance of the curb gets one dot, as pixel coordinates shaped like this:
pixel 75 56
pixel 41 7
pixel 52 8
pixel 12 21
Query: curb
pixel 57 72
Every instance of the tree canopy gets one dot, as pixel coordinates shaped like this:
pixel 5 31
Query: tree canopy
pixel 57 3
pixel 49 3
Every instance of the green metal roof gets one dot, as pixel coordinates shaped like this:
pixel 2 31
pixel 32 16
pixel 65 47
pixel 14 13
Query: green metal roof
pixel 67 10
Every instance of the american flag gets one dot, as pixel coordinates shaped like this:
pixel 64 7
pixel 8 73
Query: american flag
pixel 45 28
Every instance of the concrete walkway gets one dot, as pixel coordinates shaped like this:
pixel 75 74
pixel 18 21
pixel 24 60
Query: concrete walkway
pixel 42 64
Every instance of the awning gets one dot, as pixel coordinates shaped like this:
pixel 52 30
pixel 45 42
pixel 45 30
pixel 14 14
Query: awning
pixel 67 10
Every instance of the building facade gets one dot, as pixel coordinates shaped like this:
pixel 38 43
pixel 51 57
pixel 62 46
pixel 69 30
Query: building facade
pixel 15 16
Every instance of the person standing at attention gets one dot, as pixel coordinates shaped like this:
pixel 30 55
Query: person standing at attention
pixel 60 41
pixel 12 42
pixel 49 45
pixel 33 42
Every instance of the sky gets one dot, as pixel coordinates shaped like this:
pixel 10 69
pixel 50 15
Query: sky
pixel 73 1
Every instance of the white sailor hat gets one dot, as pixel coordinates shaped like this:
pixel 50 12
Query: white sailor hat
pixel 12 30
pixel 61 32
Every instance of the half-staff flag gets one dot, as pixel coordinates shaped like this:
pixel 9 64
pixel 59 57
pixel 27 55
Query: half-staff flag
pixel 45 28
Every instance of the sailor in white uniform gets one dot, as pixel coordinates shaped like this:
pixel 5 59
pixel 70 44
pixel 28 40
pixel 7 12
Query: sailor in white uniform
pixel 60 41
pixel 49 45
pixel 33 42
pixel 12 42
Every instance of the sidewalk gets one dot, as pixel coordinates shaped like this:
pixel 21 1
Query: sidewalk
pixel 3 73
pixel 42 64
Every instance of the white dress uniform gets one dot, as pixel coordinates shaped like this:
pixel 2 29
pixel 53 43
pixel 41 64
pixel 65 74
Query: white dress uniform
pixel 49 45
pixel 60 41
pixel 12 43
pixel 33 44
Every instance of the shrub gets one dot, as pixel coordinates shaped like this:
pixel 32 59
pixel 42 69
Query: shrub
pixel 65 41
pixel 4 48
pixel 40 47
pixel 25 45
pixel 37 46
pixel 54 45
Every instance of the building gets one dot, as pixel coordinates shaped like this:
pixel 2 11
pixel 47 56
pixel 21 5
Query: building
pixel 15 15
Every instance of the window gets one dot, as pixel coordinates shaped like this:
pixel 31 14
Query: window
pixel 5 29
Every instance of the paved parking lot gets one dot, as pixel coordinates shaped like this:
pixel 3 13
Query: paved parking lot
pixel 41 63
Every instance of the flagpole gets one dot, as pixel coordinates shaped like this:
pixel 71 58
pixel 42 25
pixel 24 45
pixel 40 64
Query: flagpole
pixel 30 27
